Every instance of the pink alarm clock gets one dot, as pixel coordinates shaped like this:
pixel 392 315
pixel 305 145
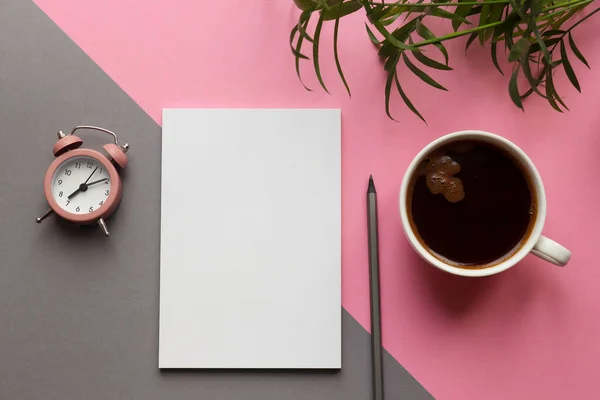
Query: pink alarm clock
pixel 83 186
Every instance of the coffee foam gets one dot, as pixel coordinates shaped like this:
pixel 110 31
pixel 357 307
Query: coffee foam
pixel 439 170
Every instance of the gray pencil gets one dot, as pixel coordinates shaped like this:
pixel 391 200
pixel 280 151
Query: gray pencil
pixel 376 349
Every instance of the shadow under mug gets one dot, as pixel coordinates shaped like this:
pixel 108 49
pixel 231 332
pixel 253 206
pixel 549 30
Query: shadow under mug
pixel 535 243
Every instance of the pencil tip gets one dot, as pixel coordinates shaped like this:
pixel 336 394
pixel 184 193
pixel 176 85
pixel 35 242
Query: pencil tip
pixel 371 185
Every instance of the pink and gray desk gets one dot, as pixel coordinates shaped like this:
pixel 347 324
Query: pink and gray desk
pixel 79 313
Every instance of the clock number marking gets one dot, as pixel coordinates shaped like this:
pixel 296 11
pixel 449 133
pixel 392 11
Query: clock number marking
pixel 60 194
pixel 106 193
pixel 90 165
pixel 77 209
pixel 102 202
pixel 68 172
pixel 106 182
pixel 68 201
pixel 77 165
pixel 100 170
pixel 60 181
pixel 91 209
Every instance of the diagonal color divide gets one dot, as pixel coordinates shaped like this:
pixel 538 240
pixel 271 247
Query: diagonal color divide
pixel 530 333
pixel 79 312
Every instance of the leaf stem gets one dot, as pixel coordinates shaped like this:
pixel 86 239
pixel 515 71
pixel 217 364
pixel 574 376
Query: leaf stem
pixel 423 5
pixel 491 25
pixel 567 31
pixel 581 20
pixel 568 6
pixel 457 34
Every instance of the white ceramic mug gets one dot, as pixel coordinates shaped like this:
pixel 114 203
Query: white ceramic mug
pixel 537 244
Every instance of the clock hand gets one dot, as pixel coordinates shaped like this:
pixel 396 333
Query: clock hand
pixel 83 187
pixel 98 181
pixel 86 181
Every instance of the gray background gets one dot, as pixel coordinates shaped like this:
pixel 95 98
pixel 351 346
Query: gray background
pixel 78 312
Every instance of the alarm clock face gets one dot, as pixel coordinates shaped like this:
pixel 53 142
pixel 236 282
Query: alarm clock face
pixel 81 185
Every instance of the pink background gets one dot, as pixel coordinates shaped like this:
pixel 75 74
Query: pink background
pixel 530 333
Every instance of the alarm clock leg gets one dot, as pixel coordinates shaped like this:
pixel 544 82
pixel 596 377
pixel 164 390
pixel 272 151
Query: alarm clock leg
pixel 48 213
pixel 103 227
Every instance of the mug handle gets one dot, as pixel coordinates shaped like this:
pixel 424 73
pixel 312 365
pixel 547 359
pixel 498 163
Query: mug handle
pixel 549 250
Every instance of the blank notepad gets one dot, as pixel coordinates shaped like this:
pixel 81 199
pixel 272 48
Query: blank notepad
pixel 250 269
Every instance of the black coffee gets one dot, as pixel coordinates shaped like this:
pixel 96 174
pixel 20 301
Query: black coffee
pixel 471 204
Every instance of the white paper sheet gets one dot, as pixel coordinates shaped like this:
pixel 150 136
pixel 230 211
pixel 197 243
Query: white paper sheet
pixel 250 273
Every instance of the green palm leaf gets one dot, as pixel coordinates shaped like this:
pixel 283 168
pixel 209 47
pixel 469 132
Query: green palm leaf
pixel 335 45
pixel 316 52
pixel 407 101
pixel 576 51
pixel 422 75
